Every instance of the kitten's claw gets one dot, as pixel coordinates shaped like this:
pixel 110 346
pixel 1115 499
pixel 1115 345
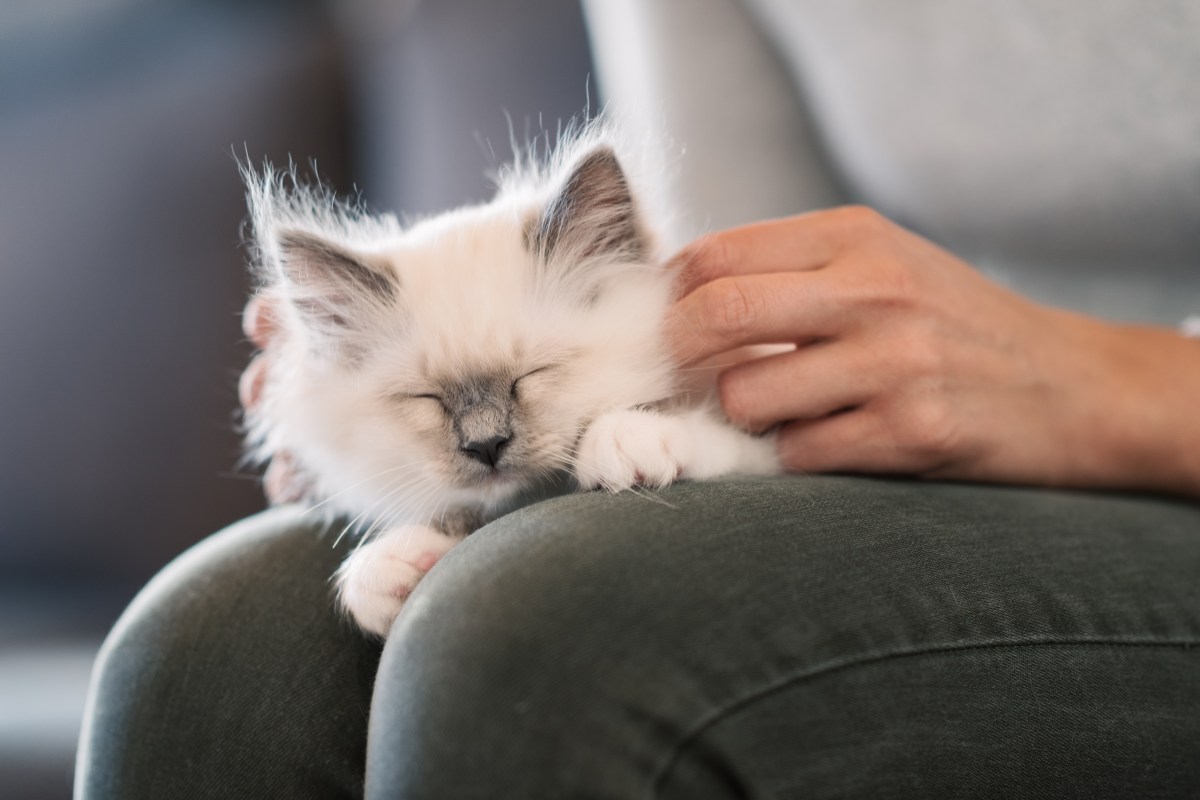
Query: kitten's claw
pixel 377 578
pixel 622 449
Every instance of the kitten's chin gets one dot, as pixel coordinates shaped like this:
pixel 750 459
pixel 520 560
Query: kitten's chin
pixel 496 486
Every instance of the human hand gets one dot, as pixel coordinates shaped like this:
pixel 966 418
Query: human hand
pixel 909 361
pixel 283 481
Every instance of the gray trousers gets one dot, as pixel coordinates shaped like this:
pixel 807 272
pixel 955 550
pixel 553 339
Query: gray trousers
pixel 783 638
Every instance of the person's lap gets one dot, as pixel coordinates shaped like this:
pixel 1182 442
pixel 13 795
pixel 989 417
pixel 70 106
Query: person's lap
pixel 230 676
pixel 792 637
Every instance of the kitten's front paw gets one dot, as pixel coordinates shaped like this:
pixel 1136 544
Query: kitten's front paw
pixel 627 448
pixel 377 578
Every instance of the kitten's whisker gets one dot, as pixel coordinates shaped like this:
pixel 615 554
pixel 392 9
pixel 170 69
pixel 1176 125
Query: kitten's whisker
pixel 363 514
pixel 395 487
pixel 647 494
pixel 409 508
pixel 353 486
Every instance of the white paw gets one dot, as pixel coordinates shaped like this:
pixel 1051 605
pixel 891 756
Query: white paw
pixel 628 448
pixel 377 578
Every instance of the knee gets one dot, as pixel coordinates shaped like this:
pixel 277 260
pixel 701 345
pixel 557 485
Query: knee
pixel 535 625
pixel 253 576
pixel 225 628
pixel 558 578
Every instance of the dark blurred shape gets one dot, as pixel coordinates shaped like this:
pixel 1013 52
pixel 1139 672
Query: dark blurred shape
pixel 123 278
pixel 120 283
pixel 122 275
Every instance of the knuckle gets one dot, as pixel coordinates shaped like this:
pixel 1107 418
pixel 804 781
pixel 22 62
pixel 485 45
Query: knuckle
pixel 895 280
pixel 886 284
pixel 733 309
pixel 863 219
pixel 929 431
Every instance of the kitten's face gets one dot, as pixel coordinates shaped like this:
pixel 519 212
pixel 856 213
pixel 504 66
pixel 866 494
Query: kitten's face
pixel 459 361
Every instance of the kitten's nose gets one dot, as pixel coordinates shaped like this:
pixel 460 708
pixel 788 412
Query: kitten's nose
pixel 486 451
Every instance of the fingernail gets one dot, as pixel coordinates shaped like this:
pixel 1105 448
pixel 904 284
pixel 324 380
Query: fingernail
pixel 258 321
pixel 281 483
pixel 250 385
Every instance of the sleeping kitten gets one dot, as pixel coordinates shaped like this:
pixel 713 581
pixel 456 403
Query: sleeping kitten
pixel 426 376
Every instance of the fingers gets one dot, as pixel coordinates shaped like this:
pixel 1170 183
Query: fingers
pixel 853 441
pixel 261 326
pixel 801 243
pixel 807 383
pixel 915 434
pixel 727 313
pixel 259 320
pixel 283 482
pixel 766 283
pixel 250 385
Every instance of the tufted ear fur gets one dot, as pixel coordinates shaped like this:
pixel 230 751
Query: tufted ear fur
pixel 329 286
pixel 592 215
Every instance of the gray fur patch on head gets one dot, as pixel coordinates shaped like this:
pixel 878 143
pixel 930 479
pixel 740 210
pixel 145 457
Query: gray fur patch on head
pixel 311 248
pixel 307 258
pixel 592 215
pixel 333 290
pixel 480 407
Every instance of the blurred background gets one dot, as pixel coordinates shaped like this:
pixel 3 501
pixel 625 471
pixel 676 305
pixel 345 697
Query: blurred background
pixel 122 273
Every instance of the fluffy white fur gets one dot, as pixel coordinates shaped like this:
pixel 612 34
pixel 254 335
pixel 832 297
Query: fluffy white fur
pixel 533 321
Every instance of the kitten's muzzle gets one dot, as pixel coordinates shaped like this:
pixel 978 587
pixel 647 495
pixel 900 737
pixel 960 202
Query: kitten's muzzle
pixel 484 430
pixel 487 451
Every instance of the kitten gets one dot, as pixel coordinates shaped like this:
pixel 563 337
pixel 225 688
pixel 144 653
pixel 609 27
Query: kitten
pixel 425 376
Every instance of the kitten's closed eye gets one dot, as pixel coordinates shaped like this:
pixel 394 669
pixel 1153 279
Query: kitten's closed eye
pixel 531 373
pixel 424 397
pixel 402 396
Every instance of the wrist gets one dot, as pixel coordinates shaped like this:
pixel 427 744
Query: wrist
pixel 1144 384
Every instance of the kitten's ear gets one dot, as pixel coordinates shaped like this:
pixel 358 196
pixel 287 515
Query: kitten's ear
pixel 592 214
pixel 329 286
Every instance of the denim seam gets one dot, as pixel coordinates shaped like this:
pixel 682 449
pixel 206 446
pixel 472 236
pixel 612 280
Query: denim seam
pixel 838 665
